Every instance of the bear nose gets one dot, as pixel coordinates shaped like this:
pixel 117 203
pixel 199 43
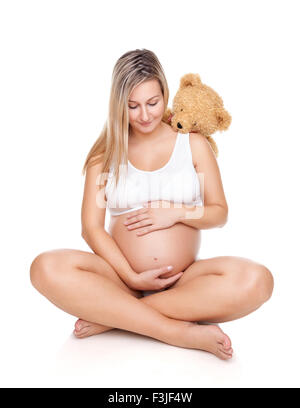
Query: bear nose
pixel 179 125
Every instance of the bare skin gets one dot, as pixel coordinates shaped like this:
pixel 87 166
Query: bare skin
pixel 213 339
pixel 55 275
pixel 59 274
pixel 246 272
pixel 211 290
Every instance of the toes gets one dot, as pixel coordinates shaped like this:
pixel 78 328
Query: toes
pixel 224 356
pixel 80 324
pixel 227 352
pixel 76 333
pixel 226 345
pixel 225 341
pixel 84 332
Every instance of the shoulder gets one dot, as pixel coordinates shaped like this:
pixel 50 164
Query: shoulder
pixel 167 130
pixel 201 149
pixel 95 176
pixel 95 160
pixel 198 139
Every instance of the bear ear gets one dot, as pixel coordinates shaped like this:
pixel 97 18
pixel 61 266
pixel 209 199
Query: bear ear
pixel 190 80
pixel 223 118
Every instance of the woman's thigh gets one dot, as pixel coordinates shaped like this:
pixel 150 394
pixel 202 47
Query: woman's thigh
pixel 232 266
pixel 59 259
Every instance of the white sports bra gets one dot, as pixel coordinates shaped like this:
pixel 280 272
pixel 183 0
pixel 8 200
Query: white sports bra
pixel 177 182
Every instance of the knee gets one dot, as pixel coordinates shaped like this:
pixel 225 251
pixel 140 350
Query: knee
pixel 259 283
pixel 40 269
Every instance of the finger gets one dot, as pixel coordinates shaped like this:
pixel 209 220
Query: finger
pixel 138 221
pixel 136 218
pixel 134 213
pixel 162 270
pixel 143 232
pixel 146 230
pixel 169 281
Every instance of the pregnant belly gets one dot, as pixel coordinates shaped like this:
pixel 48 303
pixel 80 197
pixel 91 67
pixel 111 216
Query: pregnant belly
pixel 177 246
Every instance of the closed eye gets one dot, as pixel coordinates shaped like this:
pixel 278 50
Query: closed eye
pixel 134 107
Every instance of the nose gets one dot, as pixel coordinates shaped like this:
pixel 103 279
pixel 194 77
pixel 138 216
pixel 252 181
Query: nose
pixel 179 125
pixel 145 115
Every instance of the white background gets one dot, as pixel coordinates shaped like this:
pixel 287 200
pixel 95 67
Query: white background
pixel 56 64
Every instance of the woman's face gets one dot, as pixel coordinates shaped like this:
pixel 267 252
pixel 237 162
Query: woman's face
pixel 146 106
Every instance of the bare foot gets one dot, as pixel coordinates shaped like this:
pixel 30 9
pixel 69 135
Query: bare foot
pixel 86 329
pixel 202 337
pixel 205 337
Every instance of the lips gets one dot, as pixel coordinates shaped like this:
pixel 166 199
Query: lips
pixel 146 123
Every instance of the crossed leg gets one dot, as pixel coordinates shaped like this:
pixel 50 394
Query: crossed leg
pixel 214 290
pixel 85 285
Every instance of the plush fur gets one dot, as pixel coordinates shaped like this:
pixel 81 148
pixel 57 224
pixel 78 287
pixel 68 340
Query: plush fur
pixel 197 108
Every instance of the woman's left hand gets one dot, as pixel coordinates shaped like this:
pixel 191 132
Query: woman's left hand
pixel 150 219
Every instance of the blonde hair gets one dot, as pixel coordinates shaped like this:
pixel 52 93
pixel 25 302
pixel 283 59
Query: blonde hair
pixel 130 70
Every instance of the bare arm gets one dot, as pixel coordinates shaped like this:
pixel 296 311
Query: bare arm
pixel 93 212
pixel 105 246
pixel 208 216
pixel 214 212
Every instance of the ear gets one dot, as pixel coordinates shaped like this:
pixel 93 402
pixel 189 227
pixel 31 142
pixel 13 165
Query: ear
pixel 190 80
pixel 223 118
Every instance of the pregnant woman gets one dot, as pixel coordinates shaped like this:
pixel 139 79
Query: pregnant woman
pixel 151 180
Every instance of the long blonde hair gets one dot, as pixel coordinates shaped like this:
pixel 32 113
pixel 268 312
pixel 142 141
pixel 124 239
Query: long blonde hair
pixel 130 70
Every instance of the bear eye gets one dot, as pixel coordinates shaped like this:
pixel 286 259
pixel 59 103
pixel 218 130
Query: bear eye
pixel 181 110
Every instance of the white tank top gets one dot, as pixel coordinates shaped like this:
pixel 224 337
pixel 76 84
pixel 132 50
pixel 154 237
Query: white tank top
pixel 177 181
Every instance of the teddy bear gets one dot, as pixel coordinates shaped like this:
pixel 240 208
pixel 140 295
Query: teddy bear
pixel 197 108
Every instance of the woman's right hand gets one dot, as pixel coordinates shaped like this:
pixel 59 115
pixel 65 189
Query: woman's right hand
pixel 151 279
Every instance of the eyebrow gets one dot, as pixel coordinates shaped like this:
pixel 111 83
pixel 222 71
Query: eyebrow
pixel 148 99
